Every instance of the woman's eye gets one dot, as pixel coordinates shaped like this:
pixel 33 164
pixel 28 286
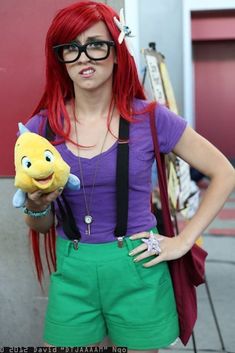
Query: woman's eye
pixel 70 48
pixel 49 157
pixel 26 163
pixel 96 45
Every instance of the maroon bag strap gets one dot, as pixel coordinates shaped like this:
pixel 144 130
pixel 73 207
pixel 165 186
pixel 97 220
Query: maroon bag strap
pixel 161 171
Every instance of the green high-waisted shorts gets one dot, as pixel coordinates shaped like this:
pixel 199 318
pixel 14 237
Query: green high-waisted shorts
pixel 98 291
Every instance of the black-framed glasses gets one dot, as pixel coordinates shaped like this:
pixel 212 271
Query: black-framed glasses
pixel 95 50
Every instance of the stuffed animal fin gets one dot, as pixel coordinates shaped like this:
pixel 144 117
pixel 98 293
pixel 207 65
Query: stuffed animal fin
pixel 22 128
pixel 19 198
pixel 73 182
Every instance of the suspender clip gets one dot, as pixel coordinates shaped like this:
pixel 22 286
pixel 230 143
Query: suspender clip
pixel 75 244
pixel 120 241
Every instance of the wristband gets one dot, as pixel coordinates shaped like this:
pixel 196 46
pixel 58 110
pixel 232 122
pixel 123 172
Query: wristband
pixel 37 214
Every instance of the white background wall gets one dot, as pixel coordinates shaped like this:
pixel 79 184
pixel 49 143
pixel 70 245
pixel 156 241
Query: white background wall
pixel 161 22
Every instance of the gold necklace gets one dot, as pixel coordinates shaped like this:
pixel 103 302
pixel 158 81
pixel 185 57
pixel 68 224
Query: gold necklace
pixel 88 219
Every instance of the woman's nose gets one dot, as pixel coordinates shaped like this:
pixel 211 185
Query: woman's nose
pixel 83 57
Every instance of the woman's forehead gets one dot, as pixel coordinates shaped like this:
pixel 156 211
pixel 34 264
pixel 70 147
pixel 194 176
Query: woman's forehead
pixel 98 30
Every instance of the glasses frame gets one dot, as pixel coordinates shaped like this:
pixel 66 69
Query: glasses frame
pixel 82 49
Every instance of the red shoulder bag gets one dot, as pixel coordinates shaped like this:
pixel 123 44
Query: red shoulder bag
pixel 188 271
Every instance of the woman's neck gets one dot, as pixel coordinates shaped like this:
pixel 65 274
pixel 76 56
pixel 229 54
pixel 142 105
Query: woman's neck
pixel 91 106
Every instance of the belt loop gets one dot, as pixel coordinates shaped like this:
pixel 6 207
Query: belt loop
pixel 129 243
pixel 67 247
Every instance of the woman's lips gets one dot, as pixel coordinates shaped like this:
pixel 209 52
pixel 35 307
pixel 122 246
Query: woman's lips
pixel 87 72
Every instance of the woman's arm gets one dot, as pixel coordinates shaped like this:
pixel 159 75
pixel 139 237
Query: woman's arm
pixel 38 202
pixel 202 155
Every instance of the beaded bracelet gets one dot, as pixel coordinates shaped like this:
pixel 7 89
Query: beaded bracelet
pixel 37 214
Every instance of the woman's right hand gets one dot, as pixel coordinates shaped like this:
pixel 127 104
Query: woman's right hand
pixel 38 201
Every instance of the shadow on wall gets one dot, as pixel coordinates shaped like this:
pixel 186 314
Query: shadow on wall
pixel 22 301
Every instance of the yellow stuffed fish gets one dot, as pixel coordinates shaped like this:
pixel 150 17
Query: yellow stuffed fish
pixel 39 166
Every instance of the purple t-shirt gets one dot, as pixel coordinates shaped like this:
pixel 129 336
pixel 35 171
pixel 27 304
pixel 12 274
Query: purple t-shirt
pixel 141 157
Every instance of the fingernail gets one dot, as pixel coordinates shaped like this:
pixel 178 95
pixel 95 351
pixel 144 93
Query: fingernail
pixel 136 259
pixel 131 237
pixel 131 253
pixel 60 189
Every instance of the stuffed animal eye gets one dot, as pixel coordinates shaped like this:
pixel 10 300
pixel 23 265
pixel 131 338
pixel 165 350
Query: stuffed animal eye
pixel 49 156
pixel 26 163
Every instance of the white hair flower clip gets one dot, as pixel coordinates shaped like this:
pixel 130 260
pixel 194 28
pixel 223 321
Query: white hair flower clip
pixel 124 29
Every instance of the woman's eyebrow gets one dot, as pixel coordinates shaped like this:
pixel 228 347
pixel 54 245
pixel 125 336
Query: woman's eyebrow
pixel 88 39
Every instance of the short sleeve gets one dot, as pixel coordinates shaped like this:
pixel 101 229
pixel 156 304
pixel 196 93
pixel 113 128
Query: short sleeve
pixel 37 124
pixel 170 128
pixel 34 124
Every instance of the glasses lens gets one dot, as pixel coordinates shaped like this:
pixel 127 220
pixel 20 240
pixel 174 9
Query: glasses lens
pixel 68 52
pixel 97 50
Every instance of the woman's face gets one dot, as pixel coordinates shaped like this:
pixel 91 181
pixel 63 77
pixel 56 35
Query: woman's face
pixel 88 74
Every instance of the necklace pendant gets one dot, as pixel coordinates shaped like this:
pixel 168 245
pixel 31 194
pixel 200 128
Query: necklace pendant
pixel 120 241
pixel 88 220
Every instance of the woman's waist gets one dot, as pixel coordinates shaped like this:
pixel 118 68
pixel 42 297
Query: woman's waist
pixel 104 232
pixel 98 251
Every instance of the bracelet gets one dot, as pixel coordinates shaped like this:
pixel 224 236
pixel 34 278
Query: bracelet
pixel 37 214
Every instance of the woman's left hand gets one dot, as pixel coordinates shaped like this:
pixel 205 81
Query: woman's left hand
pixel 170 248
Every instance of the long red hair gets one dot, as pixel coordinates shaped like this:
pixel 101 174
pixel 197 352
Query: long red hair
pixel 65 27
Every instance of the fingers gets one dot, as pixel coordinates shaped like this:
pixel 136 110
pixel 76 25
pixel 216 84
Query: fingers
pixel 149 248
pixel 153 262
pixel 145 255
pixel 141 253
pixel 139 235
pixel 52 195
pixel 39 199
pixel 144 235
pixel 138 249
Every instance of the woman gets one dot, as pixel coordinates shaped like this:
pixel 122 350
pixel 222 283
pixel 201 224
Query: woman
pixel 108 283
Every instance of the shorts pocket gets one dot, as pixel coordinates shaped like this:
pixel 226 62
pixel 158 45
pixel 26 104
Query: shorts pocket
pixel 60 260
pixel 153 276
pixel 61 256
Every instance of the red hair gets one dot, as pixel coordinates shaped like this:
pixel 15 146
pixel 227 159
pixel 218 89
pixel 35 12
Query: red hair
pixel 49 246
pixel 66 26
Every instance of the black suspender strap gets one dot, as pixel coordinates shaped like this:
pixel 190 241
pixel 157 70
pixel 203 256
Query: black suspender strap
pixel 49 134
pixel 68 222
pixel 122 180
pixel 67 219
pixel 122 187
